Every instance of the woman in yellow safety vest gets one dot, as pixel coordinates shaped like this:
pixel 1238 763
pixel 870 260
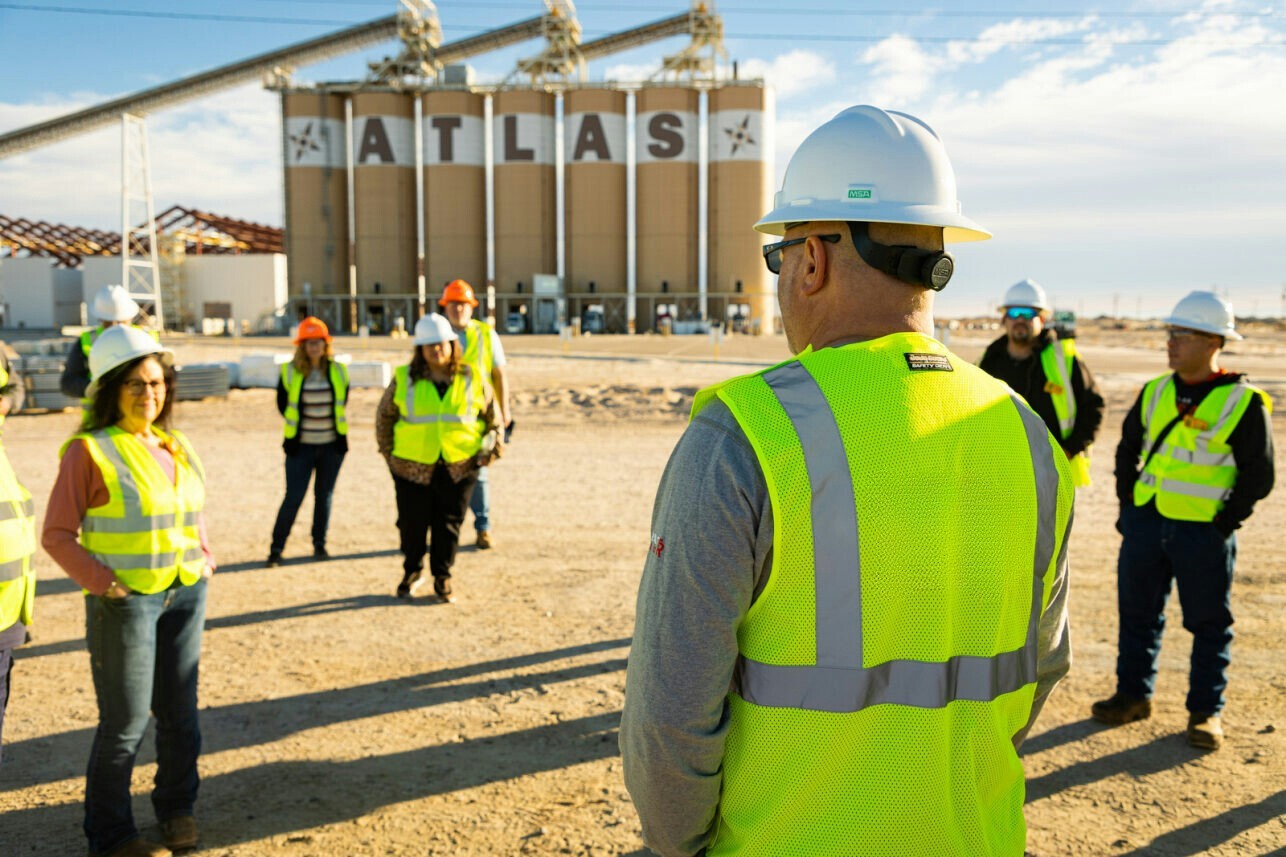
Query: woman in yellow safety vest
pixel 435 426
pixel 125 522
pixel 312 395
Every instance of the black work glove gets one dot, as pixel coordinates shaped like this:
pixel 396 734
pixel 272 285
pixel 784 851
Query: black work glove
pixel 509 430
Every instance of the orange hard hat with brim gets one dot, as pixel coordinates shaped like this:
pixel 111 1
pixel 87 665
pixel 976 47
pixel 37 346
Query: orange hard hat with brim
pixel 458 290
pixel 311 328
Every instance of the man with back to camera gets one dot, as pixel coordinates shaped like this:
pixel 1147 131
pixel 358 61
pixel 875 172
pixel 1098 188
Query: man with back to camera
pixel 854 602
pixel 1196 454
pixel 1048 373
pixel 482 351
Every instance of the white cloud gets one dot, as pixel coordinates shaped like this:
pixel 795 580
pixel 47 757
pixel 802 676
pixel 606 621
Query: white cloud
pixel 792 72
pixel 222 154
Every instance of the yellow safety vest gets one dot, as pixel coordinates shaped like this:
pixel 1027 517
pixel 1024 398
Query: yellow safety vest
pixel 293 380
pixel 432 426
pixel 1193 472
pixel 919 511
pixel 148 533
pixel 17 542
pixel 478 352
pixel 1058 383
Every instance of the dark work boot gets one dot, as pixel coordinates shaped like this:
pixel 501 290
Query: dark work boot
pixel 1120 709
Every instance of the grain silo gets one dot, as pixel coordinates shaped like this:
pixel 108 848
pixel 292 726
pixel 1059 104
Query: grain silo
pixel 525 203
pixel 595 207
pixel 666 204
pixel 740 289
pixel 455 181
pixel 316 192
pixel 384 201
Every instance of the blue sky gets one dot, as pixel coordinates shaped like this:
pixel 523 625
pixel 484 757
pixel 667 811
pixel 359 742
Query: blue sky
pixel 1122 153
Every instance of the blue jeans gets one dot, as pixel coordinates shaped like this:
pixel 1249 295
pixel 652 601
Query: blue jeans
pixel 6 668
pixel 480 502
pixel 325 458
pixel 144 651
pixel 1198 559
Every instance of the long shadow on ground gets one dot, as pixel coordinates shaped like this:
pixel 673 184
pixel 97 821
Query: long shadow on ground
pixel 62 756
pixel 1168 751
pixel 317 608
pixel 284 797
pixel 1201 836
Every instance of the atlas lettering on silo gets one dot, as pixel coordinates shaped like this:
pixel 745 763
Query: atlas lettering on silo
pixel 513 152
pixel 375 142
pixel 668 142
pixel 591 138
pixel 446 126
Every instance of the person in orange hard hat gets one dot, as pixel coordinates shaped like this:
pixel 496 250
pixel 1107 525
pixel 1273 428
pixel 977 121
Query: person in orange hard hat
pixel 483 351
pixel 312 396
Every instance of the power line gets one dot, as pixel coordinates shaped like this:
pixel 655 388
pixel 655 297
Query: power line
pixel 797 37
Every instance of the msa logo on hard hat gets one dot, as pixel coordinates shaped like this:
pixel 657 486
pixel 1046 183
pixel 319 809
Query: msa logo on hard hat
pixel 861 193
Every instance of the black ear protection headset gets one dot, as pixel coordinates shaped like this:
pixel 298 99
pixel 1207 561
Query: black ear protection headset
pixel 928 268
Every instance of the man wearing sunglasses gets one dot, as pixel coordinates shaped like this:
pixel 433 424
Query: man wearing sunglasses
pixel 854 601
pixel 1048 373
pixel 1196 454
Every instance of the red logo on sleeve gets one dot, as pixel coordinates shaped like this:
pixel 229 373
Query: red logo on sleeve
pixel 658 545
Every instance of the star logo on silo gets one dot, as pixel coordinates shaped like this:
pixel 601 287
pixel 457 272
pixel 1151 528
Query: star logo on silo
pixel 740 134
pixel 304 142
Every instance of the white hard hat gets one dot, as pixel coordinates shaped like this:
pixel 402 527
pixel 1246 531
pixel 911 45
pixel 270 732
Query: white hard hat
pixel 871 165
pixel 113 303
pixel 432 329
pixel 117 346
pixel 1206 312
pixel 1026 293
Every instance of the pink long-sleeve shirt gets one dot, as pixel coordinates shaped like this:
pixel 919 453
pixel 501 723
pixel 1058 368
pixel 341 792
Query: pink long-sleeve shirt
pixel 79 488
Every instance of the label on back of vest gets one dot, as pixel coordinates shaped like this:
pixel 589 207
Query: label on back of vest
pixel 928 362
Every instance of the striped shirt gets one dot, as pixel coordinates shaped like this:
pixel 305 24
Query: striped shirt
pixel 317 410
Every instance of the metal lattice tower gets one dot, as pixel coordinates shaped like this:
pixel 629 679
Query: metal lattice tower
pixel 697 60
pixel 140 270
pixel 562 56
pixel 420 32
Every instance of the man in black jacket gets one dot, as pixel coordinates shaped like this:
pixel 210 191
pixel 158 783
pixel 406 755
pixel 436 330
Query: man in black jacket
pixel 1196 454
pixel 1048 373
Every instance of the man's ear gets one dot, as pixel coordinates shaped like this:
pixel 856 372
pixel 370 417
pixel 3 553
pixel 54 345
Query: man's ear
pixel 816 266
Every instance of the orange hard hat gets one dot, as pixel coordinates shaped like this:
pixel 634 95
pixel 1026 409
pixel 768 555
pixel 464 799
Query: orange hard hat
pixel 458 290
pixel 311 328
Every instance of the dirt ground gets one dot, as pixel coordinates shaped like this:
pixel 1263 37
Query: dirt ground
pixel 340 721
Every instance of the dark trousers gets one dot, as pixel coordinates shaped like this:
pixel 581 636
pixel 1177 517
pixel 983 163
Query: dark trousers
pixel 325 459
pixel 6 668
pixel 144 652
pixel 1194 555
pixel 440 507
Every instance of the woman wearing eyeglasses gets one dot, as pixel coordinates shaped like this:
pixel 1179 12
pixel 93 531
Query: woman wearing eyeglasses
pixel 125 522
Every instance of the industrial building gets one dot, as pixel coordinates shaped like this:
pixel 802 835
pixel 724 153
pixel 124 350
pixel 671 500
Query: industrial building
pixel 621 206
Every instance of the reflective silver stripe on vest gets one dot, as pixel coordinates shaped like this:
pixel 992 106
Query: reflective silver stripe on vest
pixel 837 561
pixel 138 523
pixel 1157 394
pixel 134 561
pixel 17 509
pixel 1208 435
pixel 1188 456
pixel 124 476
pixel 13 569
pixel 408 405
pixel 842 684
pixel 1064 380
pixel 1187 489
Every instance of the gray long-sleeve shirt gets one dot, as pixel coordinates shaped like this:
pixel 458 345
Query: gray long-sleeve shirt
pixel 712 542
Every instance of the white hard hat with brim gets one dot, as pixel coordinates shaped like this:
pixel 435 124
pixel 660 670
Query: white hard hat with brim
pixel 119 345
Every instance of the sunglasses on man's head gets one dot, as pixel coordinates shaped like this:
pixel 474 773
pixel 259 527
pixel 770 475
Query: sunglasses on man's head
pixel 1022 312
